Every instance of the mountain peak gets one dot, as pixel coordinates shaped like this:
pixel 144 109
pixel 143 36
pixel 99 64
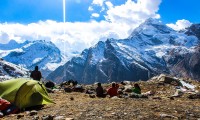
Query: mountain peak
pixel 151 21
pixel 12 42
pixel 151 27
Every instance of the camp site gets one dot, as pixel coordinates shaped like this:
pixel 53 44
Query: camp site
pixel 162 97
pixel 99 60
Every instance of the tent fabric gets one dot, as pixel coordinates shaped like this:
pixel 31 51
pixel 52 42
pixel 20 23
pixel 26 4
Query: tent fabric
pixel 24 92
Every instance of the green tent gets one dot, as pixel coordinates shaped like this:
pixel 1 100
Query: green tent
pixel 24 92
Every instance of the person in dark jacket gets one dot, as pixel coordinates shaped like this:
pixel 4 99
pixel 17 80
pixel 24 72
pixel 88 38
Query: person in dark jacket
pixel 100 91
pixel 36 74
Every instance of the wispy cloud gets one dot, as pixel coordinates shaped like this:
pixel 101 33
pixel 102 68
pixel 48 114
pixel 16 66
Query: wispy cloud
pixel 76 38
pixel 98 2
pixel 180 24
pixel 95 15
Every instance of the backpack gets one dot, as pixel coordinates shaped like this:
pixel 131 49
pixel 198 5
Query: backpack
pixel 4 104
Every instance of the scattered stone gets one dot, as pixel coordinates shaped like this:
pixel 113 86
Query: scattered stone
pixel 134 95
pixel 113 113
pixel 71 98
pixel 191 115
pixel 36 117
pixel 47 117
pixel 33 112
pixel 157 98
pixel 69 118
pixel 100 117
pixel 167 116
pixel 171 98
pixel 59 118
pixel 27 112
pixel 70 113
pixel 92 96
pixel 140 117
pixel 90 92
pixel 108 109
pixel 128 88
pixel 178 93
pixel 120 91
pixel 49 90
pixel 194 96
pixel 68 90
pixel 20 116
pixel 114 97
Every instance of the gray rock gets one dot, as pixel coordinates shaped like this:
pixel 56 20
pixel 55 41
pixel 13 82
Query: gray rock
pixel 33 112
pixel 69 118
pixel 47 117
pixel 194 96
pixel 92 96
pixel 167 116
pixel 59 118
pixel 36 117
pixel 20 116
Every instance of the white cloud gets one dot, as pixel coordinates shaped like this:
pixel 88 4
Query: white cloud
pixel 132 12
pixel 76 38
pixel 90 8
pixel 98 2
pixel 80 35
pixel 95 15
pixel 180 24
pixel 109 4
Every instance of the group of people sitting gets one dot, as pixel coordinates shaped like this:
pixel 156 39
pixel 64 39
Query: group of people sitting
pixel 113 90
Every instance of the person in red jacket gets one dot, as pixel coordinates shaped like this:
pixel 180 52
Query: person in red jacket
pixel 112 91
pixel 36 74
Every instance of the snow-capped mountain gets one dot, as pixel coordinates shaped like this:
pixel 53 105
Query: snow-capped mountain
pixel 186 65
pixel 31 53
pixel 9 70
pixel 145 53
pixel 194 30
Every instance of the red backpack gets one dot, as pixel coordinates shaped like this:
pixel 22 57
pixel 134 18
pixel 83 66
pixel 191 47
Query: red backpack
pixel 4 104
pixel 7 108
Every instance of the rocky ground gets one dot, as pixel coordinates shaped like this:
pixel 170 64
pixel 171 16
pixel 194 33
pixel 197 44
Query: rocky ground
pixel 80 106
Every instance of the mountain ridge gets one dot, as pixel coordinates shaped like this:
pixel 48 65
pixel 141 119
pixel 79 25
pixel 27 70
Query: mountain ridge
pixel 9 70
pixel 31 53
pixel 142 55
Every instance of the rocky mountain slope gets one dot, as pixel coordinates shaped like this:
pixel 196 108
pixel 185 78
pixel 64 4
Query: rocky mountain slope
pixel 9 70
pixel 194 30
pixel 187 65
pixel 151 49
pixel 31 53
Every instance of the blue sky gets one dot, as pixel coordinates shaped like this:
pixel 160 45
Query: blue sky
pixel 27 11
pixel 88 21
pixel 173 10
